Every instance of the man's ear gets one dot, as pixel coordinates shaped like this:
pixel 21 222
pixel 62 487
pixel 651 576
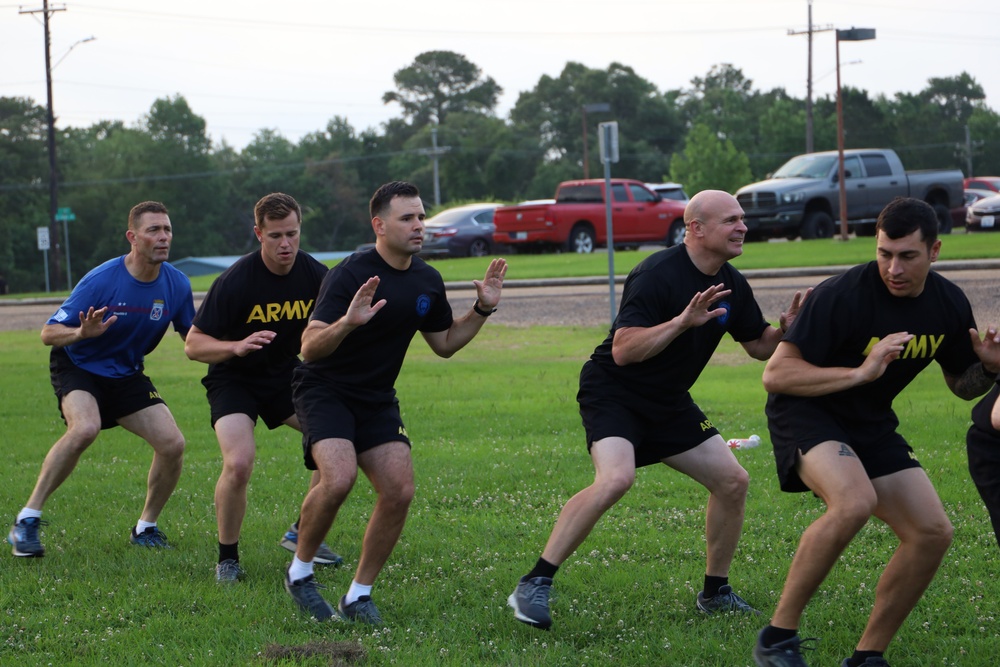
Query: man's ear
pixel 130 235
pixel 378 226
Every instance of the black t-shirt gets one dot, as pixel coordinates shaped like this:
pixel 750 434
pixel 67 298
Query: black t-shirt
pixel 658 289
pixel 982 413
pixel 368 360
pixel 846 315
pixel 247 297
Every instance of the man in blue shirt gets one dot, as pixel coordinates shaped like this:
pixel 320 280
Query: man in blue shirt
pixel 117 313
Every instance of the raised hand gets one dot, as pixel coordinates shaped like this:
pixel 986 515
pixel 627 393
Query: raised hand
pixel 362 310
pixel 882 354
pixel 697 313
pixel 254 342
pixel 488 289
pixel 987 349
pixel 786 318
pixel 93 324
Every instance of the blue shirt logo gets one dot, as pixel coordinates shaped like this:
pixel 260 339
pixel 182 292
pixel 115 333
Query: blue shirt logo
pixel 423 305
pixel 724 305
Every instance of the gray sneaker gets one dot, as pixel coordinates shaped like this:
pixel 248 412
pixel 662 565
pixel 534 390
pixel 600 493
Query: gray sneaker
pixel 530 602
pixel 24 539
pixel 306 594
pixel 783 654
pixel 324 555
pixel 362 610
pixel 228 572
pixel 724 601
pixel 869 662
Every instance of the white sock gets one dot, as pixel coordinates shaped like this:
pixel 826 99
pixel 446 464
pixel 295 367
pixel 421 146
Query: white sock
pixel 299 569
pixel 28 513
pixel 356 591
pixel 141 526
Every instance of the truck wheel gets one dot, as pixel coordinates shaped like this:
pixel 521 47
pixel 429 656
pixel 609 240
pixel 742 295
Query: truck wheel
pixel 817 225
pixel 581 240
pixel 944 218
pixel 676 234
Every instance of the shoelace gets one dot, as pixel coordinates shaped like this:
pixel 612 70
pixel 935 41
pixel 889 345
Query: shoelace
pixel 153 538
pixel 796 645
pixel 29 530
pixel 368 611
pixel 539 594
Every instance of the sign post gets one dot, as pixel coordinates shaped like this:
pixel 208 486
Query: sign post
pixel 43 245
pixel 608 136
pixel 65 216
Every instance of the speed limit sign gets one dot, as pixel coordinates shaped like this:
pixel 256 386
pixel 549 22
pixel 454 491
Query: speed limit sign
pixel 43 238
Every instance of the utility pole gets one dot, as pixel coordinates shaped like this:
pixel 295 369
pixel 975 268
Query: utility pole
pixel 435 152
pixel 46 11
pixel 809 75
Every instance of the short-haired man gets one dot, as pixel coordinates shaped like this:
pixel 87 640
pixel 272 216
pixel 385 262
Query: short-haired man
pixel 369 308
pixel 97 373
pixel 248 329
pixel 635 403
pixel 859 341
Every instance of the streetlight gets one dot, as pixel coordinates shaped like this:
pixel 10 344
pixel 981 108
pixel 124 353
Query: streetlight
pixel 852 35
pixel 592 108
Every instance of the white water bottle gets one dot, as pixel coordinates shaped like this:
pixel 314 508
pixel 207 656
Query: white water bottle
pixel 744 443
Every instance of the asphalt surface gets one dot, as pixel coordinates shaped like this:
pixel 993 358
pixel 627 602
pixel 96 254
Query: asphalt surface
pixel 586 301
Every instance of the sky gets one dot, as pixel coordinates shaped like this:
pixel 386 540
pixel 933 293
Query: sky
pixel 291 66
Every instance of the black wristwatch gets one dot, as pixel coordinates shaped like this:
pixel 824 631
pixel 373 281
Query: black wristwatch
pixel 480 311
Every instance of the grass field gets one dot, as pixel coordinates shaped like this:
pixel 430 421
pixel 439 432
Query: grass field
pixel 498 449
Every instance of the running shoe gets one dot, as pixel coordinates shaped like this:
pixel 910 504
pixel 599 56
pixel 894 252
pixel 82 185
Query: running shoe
pixel 151 537
pixel 530 602
pixel 306 594
pixel 324 555
pixel 783 654
pixel 228 572
pixel 24 539
pixel 724 601
pixel 362 610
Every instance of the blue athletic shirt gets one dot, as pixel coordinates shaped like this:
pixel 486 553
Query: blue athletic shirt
pixel 144 310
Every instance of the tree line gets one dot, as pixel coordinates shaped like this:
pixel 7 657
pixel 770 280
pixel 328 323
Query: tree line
pixel 720 132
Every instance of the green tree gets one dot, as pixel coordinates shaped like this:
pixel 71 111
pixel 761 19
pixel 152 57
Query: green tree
pixel 24 201
pixel 439 83
pixel 709 162
pixel 553 113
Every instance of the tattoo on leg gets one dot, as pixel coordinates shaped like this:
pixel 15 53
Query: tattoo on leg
pixel 845 451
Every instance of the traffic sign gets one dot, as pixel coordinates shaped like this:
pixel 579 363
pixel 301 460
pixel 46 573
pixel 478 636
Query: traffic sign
pixel 43 238
pixel 65 215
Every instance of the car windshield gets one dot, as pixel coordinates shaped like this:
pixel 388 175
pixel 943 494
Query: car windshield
pixel 807 166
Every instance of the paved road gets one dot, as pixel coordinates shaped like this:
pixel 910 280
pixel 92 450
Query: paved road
pixel 528 303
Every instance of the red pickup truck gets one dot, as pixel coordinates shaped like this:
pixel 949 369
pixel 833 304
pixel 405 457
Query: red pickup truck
pixel 576 222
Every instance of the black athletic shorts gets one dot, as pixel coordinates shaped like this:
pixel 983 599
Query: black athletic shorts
pixel 116 397
pixel 268 397
pixel 654 433
pixel 880 448
pixel 984 466
pixel 325 413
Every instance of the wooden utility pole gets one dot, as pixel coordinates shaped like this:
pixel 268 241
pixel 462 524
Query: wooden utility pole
pixel 47 11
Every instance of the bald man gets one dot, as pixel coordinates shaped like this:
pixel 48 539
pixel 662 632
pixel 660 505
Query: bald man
pixel 634 399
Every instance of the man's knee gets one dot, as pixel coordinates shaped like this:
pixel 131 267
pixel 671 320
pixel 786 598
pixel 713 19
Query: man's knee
pixel 733 485
pixel 82 434
pixel 169 445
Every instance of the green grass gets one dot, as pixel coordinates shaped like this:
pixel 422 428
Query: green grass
pixel 820 252
pixel 498 449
